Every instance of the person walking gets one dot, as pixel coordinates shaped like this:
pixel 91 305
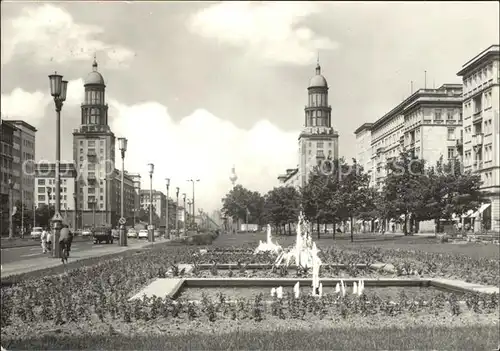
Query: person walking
pixel 43 238
pixel 49 239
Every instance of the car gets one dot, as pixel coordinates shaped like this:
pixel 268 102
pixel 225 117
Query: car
pixel 115 233
pixel 157 233
pixel 36 233
pixel 86 232
pixel 103 234
pixel 143 234
pixel 132 233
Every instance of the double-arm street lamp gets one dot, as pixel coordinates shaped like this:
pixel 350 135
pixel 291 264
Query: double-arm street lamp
pixel 167 234
pixel 58 88
pixel 177 211
pixel 193 181
pixel 151 232
pixel 122 145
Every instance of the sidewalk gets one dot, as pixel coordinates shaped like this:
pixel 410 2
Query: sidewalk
pixel 26 266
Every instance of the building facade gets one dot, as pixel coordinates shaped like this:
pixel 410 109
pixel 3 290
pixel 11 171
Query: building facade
pixel 318 140
pixel 98 181
pixel 481 140
pixel 159 203
pixel 45 192
pixel 364 147
pixel 6 171
pixel 427 123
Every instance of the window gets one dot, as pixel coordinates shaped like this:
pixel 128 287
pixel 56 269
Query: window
pixel 41 197
pixel 41 181
pixel 81 142
pixel 451 133
pixel 41 189
pixel 91 166
pixel 437 115
pixel 91 143
pixel 451 153
pixel 319 153
pixel 449 114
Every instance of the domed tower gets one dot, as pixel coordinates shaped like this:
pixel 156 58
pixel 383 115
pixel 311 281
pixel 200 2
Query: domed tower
pixel 233 177
pixel 94 156
pixel 318 141
pixel 94 107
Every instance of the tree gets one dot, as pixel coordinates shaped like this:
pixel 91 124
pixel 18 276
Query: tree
pixel 27 215
pixel 282 206
pixel 44 214
pixel 403 190
pixel 450 191
pixel 243 204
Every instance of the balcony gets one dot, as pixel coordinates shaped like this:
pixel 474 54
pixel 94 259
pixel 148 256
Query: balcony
pixel 438 121
pixel 91 179
pixel 477 165
pixel 477 116
pixel 91 153
pixel 477 141
pixel 451 121
pixel 380 149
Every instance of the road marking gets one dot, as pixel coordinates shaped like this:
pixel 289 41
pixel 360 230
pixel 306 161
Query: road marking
pixel 33 254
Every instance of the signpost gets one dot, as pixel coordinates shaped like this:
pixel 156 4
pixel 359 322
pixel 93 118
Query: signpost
pixel 122 221
pixel 151 227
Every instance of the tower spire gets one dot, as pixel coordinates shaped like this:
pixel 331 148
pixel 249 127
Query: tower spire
pixel 94 64
pixel 318 67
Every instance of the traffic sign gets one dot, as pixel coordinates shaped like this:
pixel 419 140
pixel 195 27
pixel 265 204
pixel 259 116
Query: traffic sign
pixel 151 227
pixel 57 217
pixel 122 220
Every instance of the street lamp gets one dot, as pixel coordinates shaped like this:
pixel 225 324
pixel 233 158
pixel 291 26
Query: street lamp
pixel 177 211
pixel 189 203
pixel 49 197
pixel 58 88
pixel 167 234
pixel 74 212
pixel 11 208
pixel 184 211
pixel 151 168
pixel 193 181
pixel 122 145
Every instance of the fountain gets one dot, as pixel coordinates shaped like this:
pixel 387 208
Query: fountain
pixel 305 252
pixel 268 245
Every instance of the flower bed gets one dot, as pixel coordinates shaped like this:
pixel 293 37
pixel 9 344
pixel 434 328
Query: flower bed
pixel 96 298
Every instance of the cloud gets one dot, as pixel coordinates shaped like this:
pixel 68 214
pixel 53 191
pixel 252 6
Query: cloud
pixel 48 33
pixel 21 104
pixel 201 146
pixel 269 31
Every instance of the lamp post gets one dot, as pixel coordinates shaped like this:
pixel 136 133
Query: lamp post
pixel 190 203
pixel 22 213
pixel 11 208
pixel 167 234
pixel 58 88
pixel 184 211
pixel 94 203
pixel 151 168
pixel 34 214
pixel 75 226
pixel 177 211
pixel 49 197
pixel 122 145
pixel 193 181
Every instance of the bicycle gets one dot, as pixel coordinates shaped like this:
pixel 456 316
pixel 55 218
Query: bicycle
pixel 64 252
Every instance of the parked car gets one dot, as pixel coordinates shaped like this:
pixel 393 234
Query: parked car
pixel 103 234
pixel 87 232
pixel 143 234
pixel 157 233
pixel 132 233
pixel 36 233
pixel 115 233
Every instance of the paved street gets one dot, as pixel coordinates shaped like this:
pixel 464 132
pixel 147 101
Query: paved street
pixel 25 259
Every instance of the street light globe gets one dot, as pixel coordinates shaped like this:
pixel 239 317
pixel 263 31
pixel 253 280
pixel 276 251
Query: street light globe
pixel 55 84
pixel 184 196
pixel 122 144
pixel 168 181
pixel 64 89
pixel 151 168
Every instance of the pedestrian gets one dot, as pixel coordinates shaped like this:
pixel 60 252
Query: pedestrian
pixel 49 239
pixel 43 238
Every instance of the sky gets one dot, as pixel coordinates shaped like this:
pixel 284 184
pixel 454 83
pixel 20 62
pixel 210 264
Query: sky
pixel 196 87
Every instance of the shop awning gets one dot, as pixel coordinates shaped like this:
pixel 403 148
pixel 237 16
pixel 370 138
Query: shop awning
pixel 480 210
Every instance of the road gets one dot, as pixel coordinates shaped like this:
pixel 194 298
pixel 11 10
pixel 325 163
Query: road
pixel 14 254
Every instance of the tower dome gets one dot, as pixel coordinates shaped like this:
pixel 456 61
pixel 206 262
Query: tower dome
pixel 94 77
pixel 318 81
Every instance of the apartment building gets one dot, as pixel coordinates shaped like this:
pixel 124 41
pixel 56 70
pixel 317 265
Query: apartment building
pixel 481 140
pixel 159 203
pixel 427 123
pixel 45 192
pixel 6 171
pixel 364 147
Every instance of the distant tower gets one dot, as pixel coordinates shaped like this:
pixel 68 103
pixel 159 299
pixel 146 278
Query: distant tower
pixel 233 177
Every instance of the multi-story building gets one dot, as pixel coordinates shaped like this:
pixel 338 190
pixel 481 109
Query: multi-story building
pixel 318 140
pixel 98 184
pixel 23 162
pixel 364 147
pixel 45 193
pixel 427 123
pixel 128 193
pixel 6 171
pixel 159 203
pixel 290 178
pixel 481 140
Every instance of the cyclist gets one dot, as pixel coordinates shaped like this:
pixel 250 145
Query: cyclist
pixel 65 239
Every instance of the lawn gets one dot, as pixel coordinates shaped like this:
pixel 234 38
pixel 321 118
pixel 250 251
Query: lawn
pixel 418 338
